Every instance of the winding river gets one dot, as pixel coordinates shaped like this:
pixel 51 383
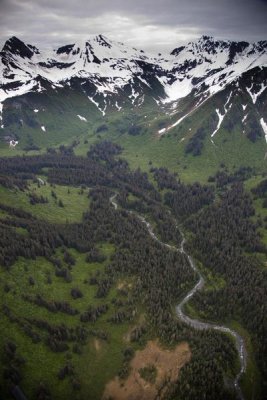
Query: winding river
pixel 195 323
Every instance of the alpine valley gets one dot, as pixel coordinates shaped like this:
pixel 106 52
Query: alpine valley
pixel 133 221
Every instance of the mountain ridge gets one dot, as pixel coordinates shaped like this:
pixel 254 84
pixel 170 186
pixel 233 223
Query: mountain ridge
pixel 105 77
pixel 185 69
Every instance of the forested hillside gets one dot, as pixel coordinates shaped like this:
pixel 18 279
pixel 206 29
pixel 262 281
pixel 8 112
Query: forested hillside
pixel 84 286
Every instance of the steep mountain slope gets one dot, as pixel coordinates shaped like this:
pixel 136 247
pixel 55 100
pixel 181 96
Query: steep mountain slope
pixel 50 97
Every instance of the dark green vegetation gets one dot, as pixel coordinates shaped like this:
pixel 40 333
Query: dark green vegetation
pixel 187 148
pixel 74 288
pixel 226 227
pixel 149 373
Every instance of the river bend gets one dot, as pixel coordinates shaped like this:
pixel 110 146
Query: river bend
pixel 195 323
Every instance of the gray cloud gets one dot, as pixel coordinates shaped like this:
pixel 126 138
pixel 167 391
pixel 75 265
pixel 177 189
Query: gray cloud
pixel 149 24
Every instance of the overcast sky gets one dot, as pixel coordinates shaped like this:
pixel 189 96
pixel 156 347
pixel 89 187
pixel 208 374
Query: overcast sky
pixel 149 24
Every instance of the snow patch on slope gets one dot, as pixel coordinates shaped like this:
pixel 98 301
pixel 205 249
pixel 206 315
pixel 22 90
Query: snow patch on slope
pixel 227 101
pixel 177 90
pixel 161 131
pixel 97 105
pixel 19 91
pixel 180 120
pixel 221 117
pixel 145 82
pixel 264 127
pixel 244 118
pixel 133 96
pixel 13 143
pixel 81 118
pixel 254 96
pixel 117 106
pixel 164 130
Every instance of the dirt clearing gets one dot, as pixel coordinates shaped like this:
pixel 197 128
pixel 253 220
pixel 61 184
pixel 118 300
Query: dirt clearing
pixel 165 365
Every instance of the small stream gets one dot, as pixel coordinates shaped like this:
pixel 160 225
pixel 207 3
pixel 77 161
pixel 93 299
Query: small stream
pixel 195 323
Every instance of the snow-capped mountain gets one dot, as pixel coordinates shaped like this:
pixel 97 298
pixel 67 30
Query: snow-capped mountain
pixel 107 65
pixel 206 65
pixel 210 65
pixel 111 76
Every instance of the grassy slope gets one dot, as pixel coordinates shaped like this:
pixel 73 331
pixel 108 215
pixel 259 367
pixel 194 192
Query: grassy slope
pixel 75 202
pixel 42 365
pixel 58 113
pixel 231 148
pixel 169 151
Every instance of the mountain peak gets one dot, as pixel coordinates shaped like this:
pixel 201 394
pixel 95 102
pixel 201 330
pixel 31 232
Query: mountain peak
pixel 17 47
pixel 211 44
pixel 205 44
pixel 205 38
pixel 103 41
pixel 12 42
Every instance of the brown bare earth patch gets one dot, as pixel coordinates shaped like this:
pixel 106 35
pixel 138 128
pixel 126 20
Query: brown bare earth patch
pixel 121 285
pixel 167 364
pixel 97 344
pixel 124 285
